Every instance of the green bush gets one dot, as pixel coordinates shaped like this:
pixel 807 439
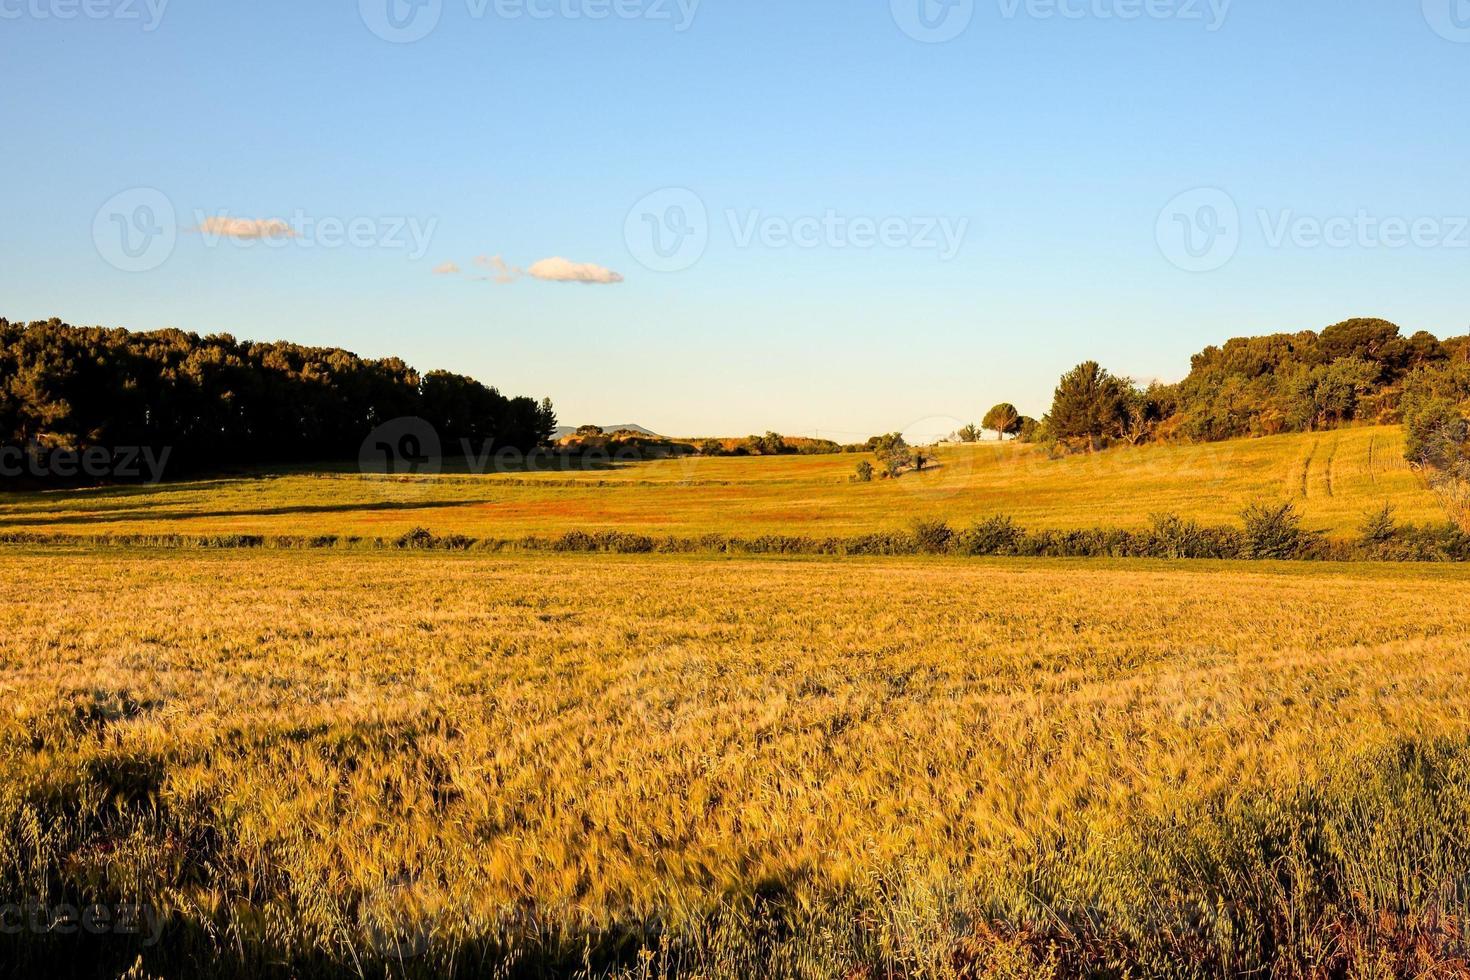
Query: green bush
pixel 931 537
pixel 999 535
pixel 1378 527
pixel 1171 536
pixel 1272 531
pixel 890 543
pixel 1434 432
pixel 418 538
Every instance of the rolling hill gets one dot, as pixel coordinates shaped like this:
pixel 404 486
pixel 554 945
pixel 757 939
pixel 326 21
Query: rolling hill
pixel 1333 478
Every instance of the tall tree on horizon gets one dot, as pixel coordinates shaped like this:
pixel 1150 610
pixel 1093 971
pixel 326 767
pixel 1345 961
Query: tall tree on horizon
pixel 1089 404
pixel 1004 420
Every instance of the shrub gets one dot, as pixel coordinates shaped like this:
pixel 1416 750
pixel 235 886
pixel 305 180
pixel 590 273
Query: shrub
pixel 419 537
pixel 1084 543
pixel 1432 542
pixel 622 543
pixel 1273 532
pixel 889 543
pixel 863 473
pixel 1434 432
pixel 1378 527
pixel 893 453
pixel 1171 536
pixel 999 535
pixel 931 537
pixel 770 444
pixel 574 541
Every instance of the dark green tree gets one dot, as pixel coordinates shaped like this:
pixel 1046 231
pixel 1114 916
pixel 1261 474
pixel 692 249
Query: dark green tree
pixel 1004 420
pixel 1089 406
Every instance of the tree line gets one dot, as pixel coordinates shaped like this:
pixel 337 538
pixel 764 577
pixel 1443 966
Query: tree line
pixel 1361 370
pixel 215 400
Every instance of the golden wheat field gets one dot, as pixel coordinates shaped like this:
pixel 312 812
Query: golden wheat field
pixel 413 764
pixel 1333 478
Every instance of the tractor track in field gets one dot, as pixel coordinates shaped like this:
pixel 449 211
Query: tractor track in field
pixel 1307 469
pixel 1331 462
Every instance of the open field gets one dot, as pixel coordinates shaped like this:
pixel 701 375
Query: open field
pixel 358 763
pixel 1334 478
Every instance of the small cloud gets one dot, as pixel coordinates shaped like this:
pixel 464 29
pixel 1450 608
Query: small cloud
pixel 447 269
pixel 245 228
pixel 496 269
pixel 561 270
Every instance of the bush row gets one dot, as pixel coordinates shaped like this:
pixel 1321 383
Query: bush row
pixel 1265 533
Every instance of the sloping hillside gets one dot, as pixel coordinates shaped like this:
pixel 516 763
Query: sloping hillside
pixel 1334 479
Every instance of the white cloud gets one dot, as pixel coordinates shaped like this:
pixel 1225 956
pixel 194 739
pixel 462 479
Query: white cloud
pixel 496 269
pixel 245 228
pixel 561 270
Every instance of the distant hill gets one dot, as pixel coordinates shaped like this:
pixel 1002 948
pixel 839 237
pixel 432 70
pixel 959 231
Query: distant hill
pixel 566 430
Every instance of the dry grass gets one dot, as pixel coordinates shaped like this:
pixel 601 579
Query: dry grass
pixel 348 763
pixel 1333 478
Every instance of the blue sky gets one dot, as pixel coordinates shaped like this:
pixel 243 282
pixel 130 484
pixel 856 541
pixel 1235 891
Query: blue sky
pixel 1067 147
